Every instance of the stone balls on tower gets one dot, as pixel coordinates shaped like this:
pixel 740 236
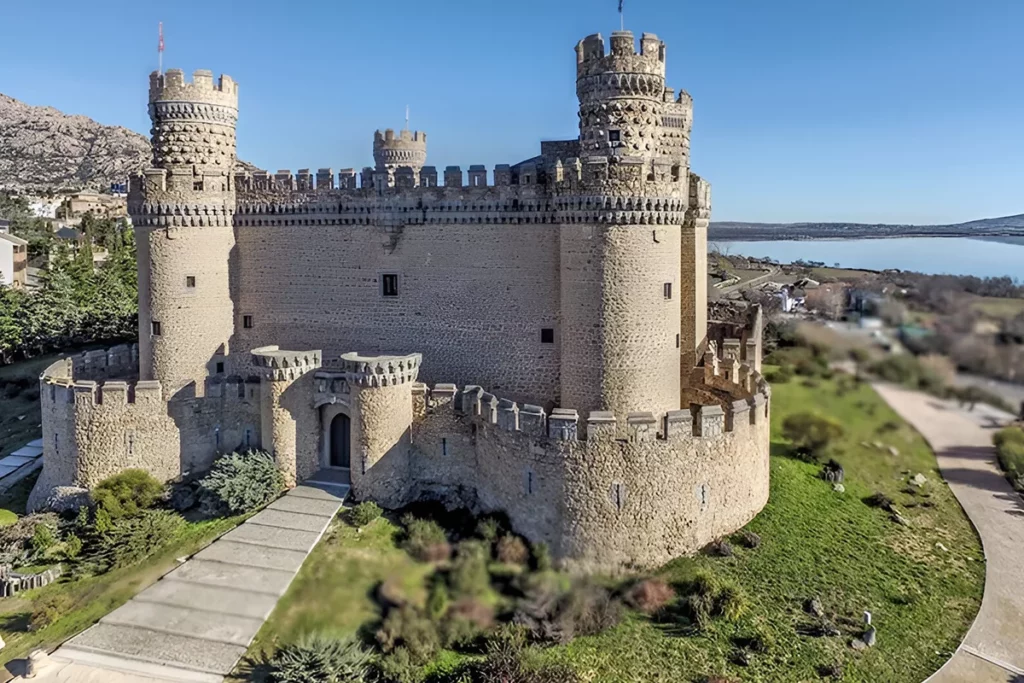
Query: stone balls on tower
pixel 405 148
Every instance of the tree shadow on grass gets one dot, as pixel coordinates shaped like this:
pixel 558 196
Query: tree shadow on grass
pixel 15 623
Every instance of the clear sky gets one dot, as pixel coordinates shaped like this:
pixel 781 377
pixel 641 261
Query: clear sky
pixel 821 110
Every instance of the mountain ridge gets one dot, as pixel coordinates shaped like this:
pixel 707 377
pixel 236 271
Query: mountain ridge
pixel 42 149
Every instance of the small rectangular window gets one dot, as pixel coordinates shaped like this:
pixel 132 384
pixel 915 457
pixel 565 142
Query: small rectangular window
pixel 547 335
pixel 614 136
pixel 220 368
pixel 668 290
pixel 197 185
pixel 190 280
pixel 389 284
pixel 155 328
pixel 677 341
pixel 444 447
pixel 247 322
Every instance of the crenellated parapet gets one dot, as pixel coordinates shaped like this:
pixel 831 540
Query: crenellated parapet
pixel 379 371
pixel 406 149
pixel 276 364
pixel 566 424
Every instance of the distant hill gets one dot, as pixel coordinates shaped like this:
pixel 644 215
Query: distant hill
pixel 43 149
pixel 1005 226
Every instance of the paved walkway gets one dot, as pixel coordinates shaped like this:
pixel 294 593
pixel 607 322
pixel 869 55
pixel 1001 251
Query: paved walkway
pixel 196 622
pixel 993 651
pixel 21 463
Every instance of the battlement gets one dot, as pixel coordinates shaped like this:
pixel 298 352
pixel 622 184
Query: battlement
pixel 277 364
pixel 172 86
pixel 379 371
pixel 388 136
pixel 117 362
pixel 566 424
pixel 622 56
pixel 57 388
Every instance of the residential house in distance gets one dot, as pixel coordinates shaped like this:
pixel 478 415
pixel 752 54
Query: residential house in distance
pixel 101 205
pixel 13 257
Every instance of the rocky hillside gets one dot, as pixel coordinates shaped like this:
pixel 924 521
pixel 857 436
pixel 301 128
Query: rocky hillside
pixel 45 149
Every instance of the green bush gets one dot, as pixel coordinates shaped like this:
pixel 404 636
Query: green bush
pixel 780 376
pixel 124 494
pixel 408 627
pixel 438 599
pixel 710 597
pixel 1011 458
pixel 132 539
pixel 44 537
pixel 72 546
pixel 811 434
pixel 399 666
pixel 241 482
pixel 466 623
pixel 320 658
pixel 47 609
pixel 541 556
pixel 364 513
pixel 508 660
pixel 908 370
pixel 1008 435
pixel 425 539
pixel 489 528
pixel 469 575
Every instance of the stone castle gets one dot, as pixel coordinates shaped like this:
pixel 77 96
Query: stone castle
pixel 534 340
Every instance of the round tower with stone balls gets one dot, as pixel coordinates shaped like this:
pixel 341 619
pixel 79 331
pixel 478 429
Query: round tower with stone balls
pixel 183 213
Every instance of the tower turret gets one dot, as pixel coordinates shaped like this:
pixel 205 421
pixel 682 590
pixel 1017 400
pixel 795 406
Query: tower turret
pixel 183 210
pixel 404 149
pixel 622 277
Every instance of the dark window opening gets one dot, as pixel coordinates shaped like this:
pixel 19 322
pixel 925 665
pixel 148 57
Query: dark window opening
pixel 614 136
pixel 668 290
pixel 444 447
pixel 190 280
pixel 389 284
pixel 155 328
pixel 197 186
pixel 247 322
pixel 529 482
pixel 547 335
pixel 220 368
pixel 618 496
pixel 677 341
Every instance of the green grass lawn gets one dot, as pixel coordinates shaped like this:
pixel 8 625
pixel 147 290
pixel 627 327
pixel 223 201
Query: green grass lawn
pixel 998 307
pixel 93 597
pixel 815 543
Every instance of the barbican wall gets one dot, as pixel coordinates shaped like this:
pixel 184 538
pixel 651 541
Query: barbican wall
pixel 99 419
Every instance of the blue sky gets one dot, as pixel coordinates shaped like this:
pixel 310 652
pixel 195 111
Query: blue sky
pixel 820 110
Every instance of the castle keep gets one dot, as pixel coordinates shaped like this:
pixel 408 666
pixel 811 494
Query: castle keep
pixel 532 339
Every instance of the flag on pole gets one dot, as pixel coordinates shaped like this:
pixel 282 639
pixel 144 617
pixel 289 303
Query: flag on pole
pixel 160 44
pixel 620 6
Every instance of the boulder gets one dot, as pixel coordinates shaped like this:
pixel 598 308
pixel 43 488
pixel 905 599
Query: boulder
pixel 67 499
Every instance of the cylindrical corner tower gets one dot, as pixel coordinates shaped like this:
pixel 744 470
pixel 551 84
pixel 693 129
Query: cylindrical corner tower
pixel 183 211
pixel 620 238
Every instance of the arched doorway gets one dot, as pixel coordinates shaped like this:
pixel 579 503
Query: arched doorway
pixel 340 444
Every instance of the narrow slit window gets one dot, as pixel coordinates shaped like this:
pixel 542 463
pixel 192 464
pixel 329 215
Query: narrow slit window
pixel 444 447
pixel 677 341
pixel 668 290
pixel 247 322
pixel 220 368
pixel 389 284
pixel 155 328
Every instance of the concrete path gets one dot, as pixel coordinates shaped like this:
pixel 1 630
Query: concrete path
pixel 21 463
pixel 196 622
pixel 993 651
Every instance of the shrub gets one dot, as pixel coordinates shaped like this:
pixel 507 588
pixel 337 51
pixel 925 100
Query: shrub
pixel 541 556
pixel 512 550
pixel 710 597
pixel 364 513
pixel 47 609
pixel 469 576
pixel 43 538
pixel 748 539
pixel 780 376
pixel 1011 458
pixel 399 667
pixel 408 627
pixel 425 540
pixel 319 658
pixel 132 539
pixel 466 622
pixel 650 595
pixel 72 546
pixel 507 661
pixel 811 434
pixel 719 548
pixel 879 500
pixel 908 370
pixel 489 528
pixel 241 482
pixel 438 599
pixel 1008 435
pixel 125 494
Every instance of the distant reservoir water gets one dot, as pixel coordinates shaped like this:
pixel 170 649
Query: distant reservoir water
pixel 987 257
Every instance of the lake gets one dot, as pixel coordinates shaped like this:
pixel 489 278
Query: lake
pixel 932 255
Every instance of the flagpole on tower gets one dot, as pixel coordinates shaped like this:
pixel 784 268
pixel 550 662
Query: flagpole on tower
pixel 622 20
pixel 407 117
pixel 160 48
